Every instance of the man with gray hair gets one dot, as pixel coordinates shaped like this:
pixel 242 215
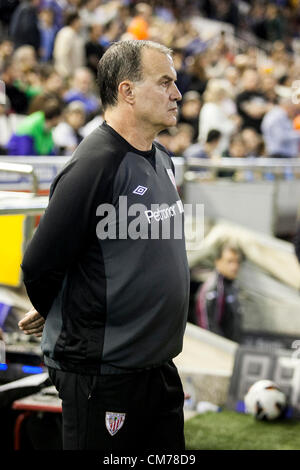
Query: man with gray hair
pixel 110 292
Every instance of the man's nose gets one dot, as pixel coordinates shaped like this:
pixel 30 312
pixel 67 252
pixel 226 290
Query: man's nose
pixel 176 95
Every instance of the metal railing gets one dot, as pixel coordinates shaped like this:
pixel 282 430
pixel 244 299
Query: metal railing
pixel 21 169
pixel 276 165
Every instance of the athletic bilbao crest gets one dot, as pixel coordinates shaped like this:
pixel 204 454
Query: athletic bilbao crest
pixel 114 422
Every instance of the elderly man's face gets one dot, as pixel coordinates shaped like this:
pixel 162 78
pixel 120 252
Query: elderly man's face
pixel 229 264
pixel 156 95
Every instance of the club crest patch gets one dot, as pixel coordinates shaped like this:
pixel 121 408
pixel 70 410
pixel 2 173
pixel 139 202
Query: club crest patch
pixel 171 176
pixel 114 422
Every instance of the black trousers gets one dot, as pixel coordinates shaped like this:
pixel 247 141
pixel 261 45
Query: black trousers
pixel 140 411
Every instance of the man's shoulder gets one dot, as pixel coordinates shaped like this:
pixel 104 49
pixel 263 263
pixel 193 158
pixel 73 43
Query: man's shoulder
pixel 163 149
pixel 166 155
pixel 95 158
pixel 99 148
pixel 273 115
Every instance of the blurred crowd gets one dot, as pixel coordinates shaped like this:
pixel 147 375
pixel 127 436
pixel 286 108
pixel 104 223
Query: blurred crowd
pixel 237 62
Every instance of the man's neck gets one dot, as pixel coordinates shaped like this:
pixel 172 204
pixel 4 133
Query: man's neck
pixel 133 132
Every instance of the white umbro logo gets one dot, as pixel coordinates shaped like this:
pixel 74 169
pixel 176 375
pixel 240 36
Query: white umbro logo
pixel 140 190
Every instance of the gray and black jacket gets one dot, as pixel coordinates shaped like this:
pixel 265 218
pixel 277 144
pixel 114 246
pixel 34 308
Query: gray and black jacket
pixel 112 302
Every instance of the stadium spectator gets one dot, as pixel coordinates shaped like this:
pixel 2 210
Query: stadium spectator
pixel 217 304
pixel 48 31
pixel 232 76
pixel 26 65
pixel 213 116
pixel 66 134
pixel 16 98
pixel 201 53
pixel 58 7
pixel 111 33
pixel 89 14
pixel 281 139
pixel 34 135
pixel 68 51
pixel 25 58
pixel 82 84
pixel 251 103
pixel 254 144
pixel 93 49
pixel 183 77
pixel 189 111
pixel 197 72
pixel 182 139
pixel 7 9
pixel 8 122
pixel 223 10
pixel 51 81
pixel 139 25
pixel 268 87
pixel 6 51
pixel 208 149
pixel 236 147
pixel 24 25
pixel 274 24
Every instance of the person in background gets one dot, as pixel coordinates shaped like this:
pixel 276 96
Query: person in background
pixel 27 71
pixel 208 149
pixel 254 144
pixel 66 134
pixel 269 87
pixel 281 139
pixel 182 139
pixel 217 306
pixel 236 147
pixel 213 115
pixel 69 51
pixel 81 90
pixel 25 58
pixel 6 51
pixel 34 135
pixel 8 121
pixel 17 99
pixel 111 33
pixel 48 31
pixel 51 81
pixel 138 28
pixel 24 25
pixel 183 77
pixel 189 111
pixel 93 50
pixel 197 72
pixel 251 103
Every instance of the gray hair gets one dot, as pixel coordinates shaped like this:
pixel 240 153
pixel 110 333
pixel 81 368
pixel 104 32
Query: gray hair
pixel 122 61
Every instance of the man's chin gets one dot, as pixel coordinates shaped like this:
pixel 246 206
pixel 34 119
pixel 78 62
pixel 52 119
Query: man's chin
pixel 171 123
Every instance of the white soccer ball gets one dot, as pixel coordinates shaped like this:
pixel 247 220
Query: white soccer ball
pixel 265 401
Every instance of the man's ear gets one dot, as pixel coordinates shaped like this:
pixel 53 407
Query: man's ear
pixel 126 91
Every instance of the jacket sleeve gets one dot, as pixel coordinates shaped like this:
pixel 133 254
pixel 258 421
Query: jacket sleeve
pixel 63 231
